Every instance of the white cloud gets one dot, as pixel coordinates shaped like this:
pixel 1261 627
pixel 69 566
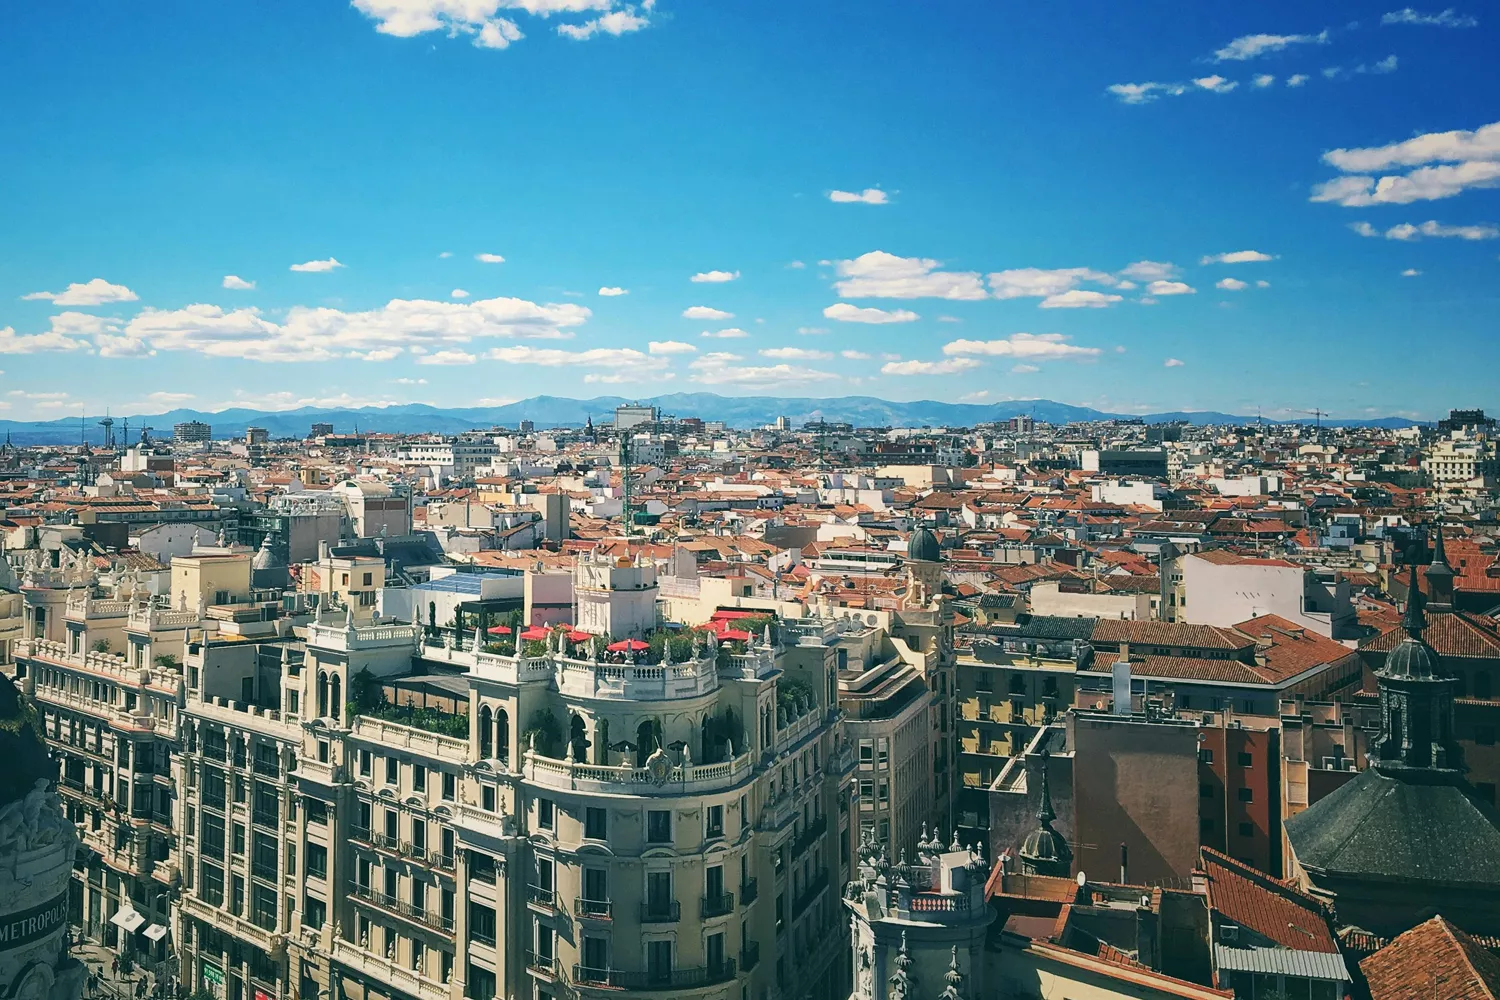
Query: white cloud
pixel 451 357
pixel 1231 284
pixel 94 292
pixel 730 333
pixel 445 255
pixel 489 258
pixel 1032 346
pixel 317 266
pixel 1462 159
pixel 670 347
pixel 482 23
pixel 718 369
pixel 1024 369
pixel 284 400
pixel 795 265
pixel 1408 231
pixel 1251 46
pixel 1144 93
pixel 714 277
pixel 321 334
pixel 1296 79
pixel 408 381
pixel 1036 282
pixel 36 343
pixel 1448 18
pixel 869 196
pixel 1172 363
pixel 617 22
pixel 881 275
pixel 1410 272
pixel 237 283
pixel 1262 284
pixel 1364 229
pixel 619 364
pixel 1079 298
pixel 974 397
pixel 854 355
pixel 169 398
pixel 77 324
pixel 948 366
pixel 1386 65
pixel 845 313
pixel 1237 257
pixel 1215 84
pixel 705 312
pixel 1170 288
pixel 795 354
pixel 611 291
pixel 1263 80
pixel 812 331
pixel 459 293
pixel 1150 270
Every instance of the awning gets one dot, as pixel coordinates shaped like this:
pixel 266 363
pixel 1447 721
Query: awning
pixel 155 932
pixel 127 919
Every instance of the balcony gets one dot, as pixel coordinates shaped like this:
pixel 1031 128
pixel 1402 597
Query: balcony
pixel 717 906
pixel 750 890
pixel 541 897
pixel 664 979
pixel 810 892
pixel 810 836
pixel 661 911
pixel 401 908
pixel 593 909
pixel 750 955
pixel 544 966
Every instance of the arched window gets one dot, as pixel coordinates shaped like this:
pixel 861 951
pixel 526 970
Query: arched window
pixel 578 736
pixel 502 734
pixel 322 694
pixel 647 739
pixel 335 702
pixel 486 734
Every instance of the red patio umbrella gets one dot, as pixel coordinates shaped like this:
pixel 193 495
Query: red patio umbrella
pixel 576 636
pixel 734 634
pixel 628 645
pixel 498 630
pixel 536 633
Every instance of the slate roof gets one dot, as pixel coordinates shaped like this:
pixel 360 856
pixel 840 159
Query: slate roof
pixel 1179 634
pixel 1379 825
pixel 1433 959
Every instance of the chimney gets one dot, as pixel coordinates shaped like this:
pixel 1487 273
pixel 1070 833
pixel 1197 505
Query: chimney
pixel 1121 675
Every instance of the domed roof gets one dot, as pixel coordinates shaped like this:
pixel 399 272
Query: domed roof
pixel 264 557
pixel 923 545
pixel 21 747
pixel 1412 658
pixel 1044 844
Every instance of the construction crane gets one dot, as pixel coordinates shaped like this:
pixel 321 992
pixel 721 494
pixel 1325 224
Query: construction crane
pixel 1318 415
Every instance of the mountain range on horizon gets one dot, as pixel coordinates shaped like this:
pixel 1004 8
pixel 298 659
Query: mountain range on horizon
pixel 557 411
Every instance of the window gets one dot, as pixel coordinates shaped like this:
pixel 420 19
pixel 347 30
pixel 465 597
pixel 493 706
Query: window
pixel 659 826
pixel 882 752
pixel 659 960
pixel 213 837
pixel 392 883
pixel 392 824
pixel 1205 754
pixel 419 835
pixel 450 790
pixel 263 907
pixel 239 840
pixel 1245 759
pixel 867 791
pixel 883 792
pixel 487 798
pixel 211 884
pixel 595 823
pixel 595 885
pixel 1247 829
pixel 366 763
pixel 392 771
pixel 314 913
pixel 236 895
pixel 264 857
pixel 1205 791
pixel 213 788
pixel 317 861
pixel 866 752
pixel 1246 795
pixel 418 778
pixel 267 810
pixel 480 982
pixel 447 842
pixel 715 821
pixel 545 814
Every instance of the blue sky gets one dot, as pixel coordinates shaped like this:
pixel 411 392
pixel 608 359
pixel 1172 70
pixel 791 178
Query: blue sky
pixel 433 199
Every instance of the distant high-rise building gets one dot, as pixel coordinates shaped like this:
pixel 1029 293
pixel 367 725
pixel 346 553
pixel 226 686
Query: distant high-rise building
pixel 320 430
pixel 633 415
pixel 256 436
pixel 192 432
pixel 526 427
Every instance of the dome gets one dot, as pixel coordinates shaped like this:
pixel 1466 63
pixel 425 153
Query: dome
pixel 1044 844
pixel 21 747
pixel 264 557
pixel 923 546
pixel 1411 658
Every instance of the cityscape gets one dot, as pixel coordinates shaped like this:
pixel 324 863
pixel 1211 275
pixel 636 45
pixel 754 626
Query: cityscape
pixel 978 626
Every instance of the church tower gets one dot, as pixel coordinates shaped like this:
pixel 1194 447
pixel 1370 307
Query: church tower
pixel 1416 696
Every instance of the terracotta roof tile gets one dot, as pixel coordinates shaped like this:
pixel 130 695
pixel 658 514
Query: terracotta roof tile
pixel 1434 959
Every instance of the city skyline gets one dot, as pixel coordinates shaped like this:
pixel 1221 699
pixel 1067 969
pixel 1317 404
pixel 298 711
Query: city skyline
pixel 403 201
